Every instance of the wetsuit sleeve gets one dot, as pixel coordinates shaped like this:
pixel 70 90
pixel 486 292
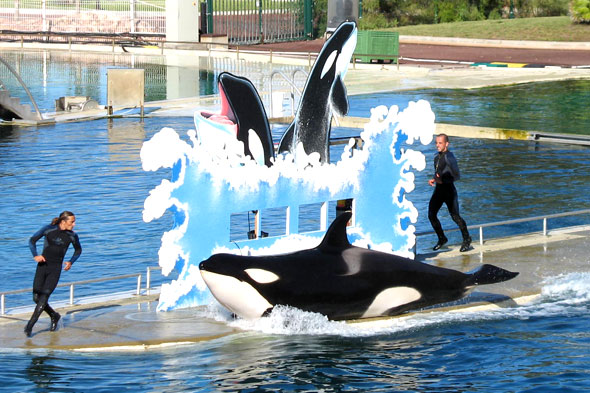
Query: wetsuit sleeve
pixel 77 248
pixel 436 158
pixel 452 166
pixel 33 240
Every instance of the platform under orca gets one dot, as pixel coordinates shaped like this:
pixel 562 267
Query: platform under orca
pixel 323 94
pixel 242 116
pixel 338 280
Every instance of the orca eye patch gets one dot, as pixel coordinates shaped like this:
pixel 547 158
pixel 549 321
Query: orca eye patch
pixel 262 276
pixel 328 64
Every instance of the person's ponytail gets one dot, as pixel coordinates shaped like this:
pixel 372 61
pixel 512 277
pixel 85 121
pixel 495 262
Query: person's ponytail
pixel 62 216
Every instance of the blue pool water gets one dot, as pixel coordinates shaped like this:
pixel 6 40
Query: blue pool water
pixel 93 169
pixel 557 107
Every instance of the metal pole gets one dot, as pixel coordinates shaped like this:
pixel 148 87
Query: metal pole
pixel 545 226
pixel 2 305
pixel 481 236
pixel 39 116
pixel 71 294
pixel 132 14
pixel 307 17
pixel 209 16
pixel 44 14
pixel 138 292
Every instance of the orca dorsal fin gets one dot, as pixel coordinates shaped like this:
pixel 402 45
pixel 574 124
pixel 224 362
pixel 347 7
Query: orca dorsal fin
pixel 335 236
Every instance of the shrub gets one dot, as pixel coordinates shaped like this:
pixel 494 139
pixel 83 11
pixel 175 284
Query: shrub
pixel 580 11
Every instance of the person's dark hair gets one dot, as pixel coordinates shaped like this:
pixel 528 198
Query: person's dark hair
pixel 62 217
pixel 444 136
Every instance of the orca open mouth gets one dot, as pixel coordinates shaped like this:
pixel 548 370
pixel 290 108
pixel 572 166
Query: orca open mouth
pixel 225 120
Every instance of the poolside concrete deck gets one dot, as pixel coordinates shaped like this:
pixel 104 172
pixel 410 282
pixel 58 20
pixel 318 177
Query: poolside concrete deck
pixel 135 325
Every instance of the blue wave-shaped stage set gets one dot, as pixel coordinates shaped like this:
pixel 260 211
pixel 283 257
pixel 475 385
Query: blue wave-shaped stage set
pixel 230 166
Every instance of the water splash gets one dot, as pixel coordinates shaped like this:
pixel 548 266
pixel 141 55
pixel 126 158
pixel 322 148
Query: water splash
pixel 563 295
pixel 208 185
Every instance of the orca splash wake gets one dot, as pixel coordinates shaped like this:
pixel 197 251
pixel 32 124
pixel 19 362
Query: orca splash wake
pixel 338 280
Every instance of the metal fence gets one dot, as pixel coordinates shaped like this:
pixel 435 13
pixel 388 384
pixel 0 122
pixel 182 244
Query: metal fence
pixel 72 285
pixel 84 16
pixel 243 21
pixel 480 227
pixel 256 21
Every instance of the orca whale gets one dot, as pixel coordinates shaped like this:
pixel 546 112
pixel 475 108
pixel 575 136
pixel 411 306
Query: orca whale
pixel 242 116
pixel 323 94
pixel 338 280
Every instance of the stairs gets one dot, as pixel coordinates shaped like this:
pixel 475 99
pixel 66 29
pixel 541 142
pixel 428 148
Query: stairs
pixel 11 108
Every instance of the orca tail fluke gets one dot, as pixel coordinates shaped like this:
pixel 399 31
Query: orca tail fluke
pixel 489 274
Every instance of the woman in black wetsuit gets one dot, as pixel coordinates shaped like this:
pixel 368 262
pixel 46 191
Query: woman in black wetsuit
pixel 58 237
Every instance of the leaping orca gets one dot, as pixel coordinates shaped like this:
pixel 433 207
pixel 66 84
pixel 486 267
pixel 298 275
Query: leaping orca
pixel 242 116
pixel 338 280
pixel 324 93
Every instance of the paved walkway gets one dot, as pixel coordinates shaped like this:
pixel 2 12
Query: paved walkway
pixel 136 325
pixel 448 51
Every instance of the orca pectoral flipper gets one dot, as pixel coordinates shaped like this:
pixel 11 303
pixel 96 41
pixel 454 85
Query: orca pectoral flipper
pixel 286 143
pixel 338 97
pixel 489 274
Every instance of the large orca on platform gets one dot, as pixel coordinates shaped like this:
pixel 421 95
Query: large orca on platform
pixel 337 279
pixel 324 93
pixel 242 116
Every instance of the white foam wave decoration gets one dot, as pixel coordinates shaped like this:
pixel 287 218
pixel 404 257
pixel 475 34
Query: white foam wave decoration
pixel 209 185
pixel 163 150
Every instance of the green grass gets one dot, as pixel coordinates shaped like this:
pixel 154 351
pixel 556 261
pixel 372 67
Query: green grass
pixel 559 28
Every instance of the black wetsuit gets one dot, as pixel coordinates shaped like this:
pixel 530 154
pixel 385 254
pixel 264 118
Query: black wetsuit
pixel 47 275
pixel 445 165
pixel 54 250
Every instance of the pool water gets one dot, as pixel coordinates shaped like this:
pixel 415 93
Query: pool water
pixel 558 107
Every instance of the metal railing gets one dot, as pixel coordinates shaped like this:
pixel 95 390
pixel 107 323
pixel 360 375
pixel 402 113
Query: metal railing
pixel 84 16
pixel 291 82
pixel 148 286
pixel 25 88
pixel 73 284
pixel 480 227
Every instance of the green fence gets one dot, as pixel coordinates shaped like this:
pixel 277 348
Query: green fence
pixel 258 21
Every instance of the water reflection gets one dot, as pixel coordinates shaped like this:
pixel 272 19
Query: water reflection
pixel 53 74
pixel 559 107
pixel 125 137
pixel 42 371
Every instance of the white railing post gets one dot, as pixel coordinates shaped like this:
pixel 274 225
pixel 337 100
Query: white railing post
pixel 138 292
pixel 132 15
pixel 44 14
pixel 148 280
pixel 72 295
pixel 545 226
pixel 481 236
pixel 324 216
pixel 2 305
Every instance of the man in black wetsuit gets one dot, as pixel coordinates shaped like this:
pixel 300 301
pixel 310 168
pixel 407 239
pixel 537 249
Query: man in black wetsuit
pixel 446 172
pixel 58 237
